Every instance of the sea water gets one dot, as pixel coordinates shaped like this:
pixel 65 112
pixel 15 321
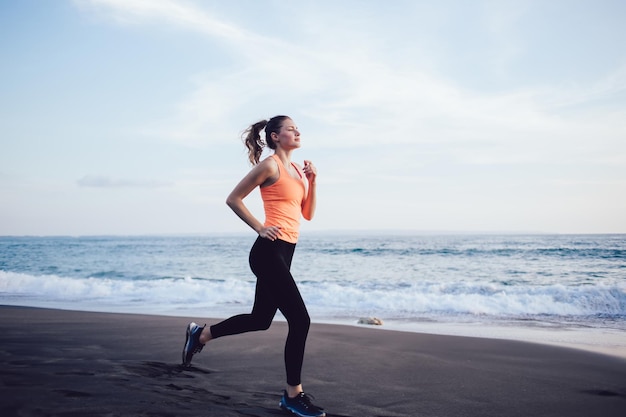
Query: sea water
pixel 459 284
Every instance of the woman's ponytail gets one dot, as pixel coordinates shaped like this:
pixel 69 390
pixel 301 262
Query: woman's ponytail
pixel 253 141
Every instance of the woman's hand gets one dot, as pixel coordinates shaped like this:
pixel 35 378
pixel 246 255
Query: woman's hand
pixel 270 232
pixel 310 171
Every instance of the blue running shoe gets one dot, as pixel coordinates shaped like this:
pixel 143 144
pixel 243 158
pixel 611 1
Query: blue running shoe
pixel 301 406
pixel 192 342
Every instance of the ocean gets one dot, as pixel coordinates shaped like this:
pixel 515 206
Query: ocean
pixel 515 285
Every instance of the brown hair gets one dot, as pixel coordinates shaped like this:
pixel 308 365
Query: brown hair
pixel 253 140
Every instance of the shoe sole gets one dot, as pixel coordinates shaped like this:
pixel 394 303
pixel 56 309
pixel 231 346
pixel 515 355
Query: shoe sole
pixel 187 336
pixel 287 409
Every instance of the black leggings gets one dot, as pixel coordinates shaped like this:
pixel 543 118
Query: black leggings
pixel 275 290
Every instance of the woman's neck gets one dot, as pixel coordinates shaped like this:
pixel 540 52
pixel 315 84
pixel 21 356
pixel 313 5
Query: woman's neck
pixel 284 156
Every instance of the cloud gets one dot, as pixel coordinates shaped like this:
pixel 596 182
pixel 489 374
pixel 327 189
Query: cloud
pixel 351 94
pixel 95 181
pixel 174 12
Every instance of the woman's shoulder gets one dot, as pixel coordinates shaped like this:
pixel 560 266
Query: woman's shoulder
pixel 269 164
pixel 268 170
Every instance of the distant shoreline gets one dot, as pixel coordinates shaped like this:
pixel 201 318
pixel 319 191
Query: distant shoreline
pixel 304 233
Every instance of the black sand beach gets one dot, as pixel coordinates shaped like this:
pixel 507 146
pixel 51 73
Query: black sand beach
pixel 68 363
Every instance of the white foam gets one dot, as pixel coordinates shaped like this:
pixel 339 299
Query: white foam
pixel 325 299
pixel 587 317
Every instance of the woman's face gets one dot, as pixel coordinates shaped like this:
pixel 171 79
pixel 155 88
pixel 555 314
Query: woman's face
pixel 289 135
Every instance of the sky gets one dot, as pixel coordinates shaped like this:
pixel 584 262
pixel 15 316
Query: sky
pixel 124 117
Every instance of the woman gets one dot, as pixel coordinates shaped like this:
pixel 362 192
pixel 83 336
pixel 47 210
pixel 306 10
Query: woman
pixel 288 192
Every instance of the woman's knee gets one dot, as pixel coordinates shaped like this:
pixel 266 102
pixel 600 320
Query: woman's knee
pixel 301 321
pixel 264 325
pixel 261 322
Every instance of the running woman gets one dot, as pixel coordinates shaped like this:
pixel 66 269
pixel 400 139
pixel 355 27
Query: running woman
pixel 288 193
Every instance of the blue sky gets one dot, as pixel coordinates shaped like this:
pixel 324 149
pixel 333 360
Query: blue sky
pixel 124 116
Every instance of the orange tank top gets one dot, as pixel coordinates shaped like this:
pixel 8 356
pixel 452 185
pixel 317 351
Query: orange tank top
pixel 283 202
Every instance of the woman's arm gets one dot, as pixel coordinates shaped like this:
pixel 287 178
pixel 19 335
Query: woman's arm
pixel 309 203
pixel 260 174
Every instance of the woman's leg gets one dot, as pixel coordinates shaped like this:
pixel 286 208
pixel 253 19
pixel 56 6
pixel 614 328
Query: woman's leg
pixel 273 266
pixel 293 308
